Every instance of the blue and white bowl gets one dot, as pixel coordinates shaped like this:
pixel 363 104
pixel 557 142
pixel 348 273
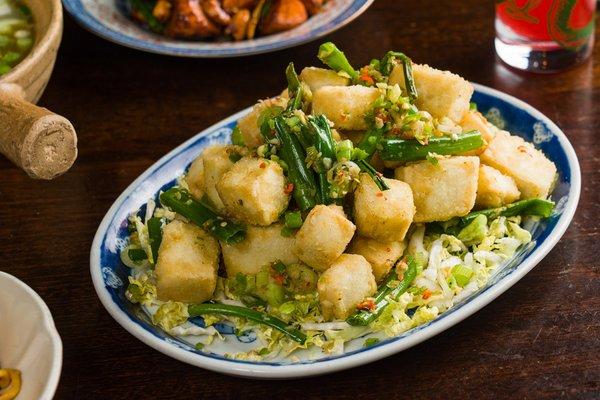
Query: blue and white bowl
pixel 110 275
pixel 107 18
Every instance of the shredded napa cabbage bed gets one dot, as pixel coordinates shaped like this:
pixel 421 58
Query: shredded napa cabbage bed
pixel 450 269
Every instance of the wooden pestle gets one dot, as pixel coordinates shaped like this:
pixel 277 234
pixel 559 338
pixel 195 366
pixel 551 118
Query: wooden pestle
pixel 40 142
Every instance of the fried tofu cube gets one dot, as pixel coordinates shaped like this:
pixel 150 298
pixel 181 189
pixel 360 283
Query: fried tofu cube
pixel 323 236
pixel 494 189
pixel 188 260
pixel 533 173
pixel 316 78
pixel 262 246
pixel 217 160
pixel 254 191
pixel 381 255
pixel 384 215
pixel 195 178
pixel 344 285
pixel 474 121
pixel 248 124
pixel 442 191
pixel 346 106
pixel 441 93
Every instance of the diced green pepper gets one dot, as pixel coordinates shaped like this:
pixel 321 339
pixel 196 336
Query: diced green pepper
pixel 462 274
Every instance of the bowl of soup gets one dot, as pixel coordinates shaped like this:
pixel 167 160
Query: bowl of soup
pixel 30 34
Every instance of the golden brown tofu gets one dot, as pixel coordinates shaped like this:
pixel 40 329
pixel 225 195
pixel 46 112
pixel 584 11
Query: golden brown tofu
pixel 248 124
pixel 217 161
pixel 442 191
pixel 473 120
pixel 195 178
pixel 316 78
pixel 346 106
pixel 494 189
pixel 188 259
pixel 441 93
pixel 384 215
pixel 262 246
pixel 344 285
pixel 323 237
pixel 253 190
pixel 533 173
pixel 381 255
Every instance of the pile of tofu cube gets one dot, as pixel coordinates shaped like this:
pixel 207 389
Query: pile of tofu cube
pixel 351 256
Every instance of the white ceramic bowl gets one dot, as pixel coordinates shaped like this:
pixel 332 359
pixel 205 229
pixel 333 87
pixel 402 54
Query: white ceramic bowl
pixel 29 341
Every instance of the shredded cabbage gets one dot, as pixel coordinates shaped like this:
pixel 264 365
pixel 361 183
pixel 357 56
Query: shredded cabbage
pixel 453 268
pixel 141 290
pixel 170 315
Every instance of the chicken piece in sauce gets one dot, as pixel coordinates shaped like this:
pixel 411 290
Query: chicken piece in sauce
pixel 188 21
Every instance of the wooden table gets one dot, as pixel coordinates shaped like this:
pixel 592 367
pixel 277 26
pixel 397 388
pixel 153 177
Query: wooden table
pixel 541 339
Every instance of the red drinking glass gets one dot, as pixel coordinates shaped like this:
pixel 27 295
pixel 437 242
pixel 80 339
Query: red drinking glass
pixel 544 35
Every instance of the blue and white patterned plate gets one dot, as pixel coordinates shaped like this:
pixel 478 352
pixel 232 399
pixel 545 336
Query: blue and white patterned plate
pixel 109 274
pixel 107 19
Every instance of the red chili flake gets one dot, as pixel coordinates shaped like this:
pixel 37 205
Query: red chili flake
pixel 366 305
pixel 379 194
pixel 385 117
pixel 365 77
pixel 279 278
pixel 262 165
pixel 426 294
pixel 289 188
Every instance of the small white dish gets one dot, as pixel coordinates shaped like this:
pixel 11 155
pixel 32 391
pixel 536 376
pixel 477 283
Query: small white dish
pixel 29 341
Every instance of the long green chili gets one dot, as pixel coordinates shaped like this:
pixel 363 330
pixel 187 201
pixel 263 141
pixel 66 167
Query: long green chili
pixel 335 59
pixel 370 140
pixel 323 142
pixel 411 150
pixel 373 173
pixel 536 207
pixel 154 236
pixel 294 88
pixel 182 202
pixel 387 64
pixel 195 310
pixel 386 291
pixel 305 188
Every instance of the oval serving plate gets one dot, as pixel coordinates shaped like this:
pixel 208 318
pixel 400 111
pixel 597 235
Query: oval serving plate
pixel 109 274
pixel 106 18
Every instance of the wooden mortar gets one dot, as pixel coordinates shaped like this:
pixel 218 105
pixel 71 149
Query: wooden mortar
pixel 40 142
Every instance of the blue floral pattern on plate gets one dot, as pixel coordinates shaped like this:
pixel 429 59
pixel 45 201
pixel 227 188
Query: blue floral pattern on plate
pixel 107 19
pixel 108 271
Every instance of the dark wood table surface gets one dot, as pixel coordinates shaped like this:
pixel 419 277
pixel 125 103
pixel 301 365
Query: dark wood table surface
pixel 541 339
